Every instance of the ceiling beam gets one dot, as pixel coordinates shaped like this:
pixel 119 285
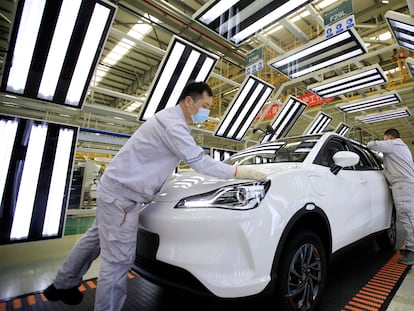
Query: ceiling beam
pixel 316 16
pixel 270 44
pixel 294 30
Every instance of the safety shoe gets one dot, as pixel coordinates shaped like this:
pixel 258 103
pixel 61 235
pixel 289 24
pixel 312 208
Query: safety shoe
pixel 408 258
pixel 404 250
pixel 70 296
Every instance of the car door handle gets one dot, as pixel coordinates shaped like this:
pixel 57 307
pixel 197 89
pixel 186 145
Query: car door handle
pixel 362 181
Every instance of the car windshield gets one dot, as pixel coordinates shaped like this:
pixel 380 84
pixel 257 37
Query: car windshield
pixel 289 150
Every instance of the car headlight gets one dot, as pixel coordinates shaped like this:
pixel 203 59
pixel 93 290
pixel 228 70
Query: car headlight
pixel 237 197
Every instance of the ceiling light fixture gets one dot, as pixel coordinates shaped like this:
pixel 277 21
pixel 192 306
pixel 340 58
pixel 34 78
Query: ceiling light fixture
pixel 402 28
pixel 34 178
pixel 244 108
pixel 410 65
pixel 387 115
pixel 222 154
pixel 237 21
pixel 320 122
pixel 286 119
pixel 319 54
pixel 386 99
pixel 351 81
pixel 45 60
pixel 183 62
pixel 342 129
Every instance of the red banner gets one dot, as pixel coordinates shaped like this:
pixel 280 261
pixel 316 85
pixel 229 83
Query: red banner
pixel 270 114
pixel 312 99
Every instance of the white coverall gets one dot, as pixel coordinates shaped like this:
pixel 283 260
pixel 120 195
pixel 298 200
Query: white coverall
pixel 399 171
pixel 135 176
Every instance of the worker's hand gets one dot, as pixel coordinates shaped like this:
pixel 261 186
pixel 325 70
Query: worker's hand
pixel 244 172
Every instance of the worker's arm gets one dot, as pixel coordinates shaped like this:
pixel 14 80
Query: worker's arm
pixel 384 146
pixel 183 145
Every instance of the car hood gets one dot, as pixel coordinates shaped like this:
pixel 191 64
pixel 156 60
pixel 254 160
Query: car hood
pixel 190 183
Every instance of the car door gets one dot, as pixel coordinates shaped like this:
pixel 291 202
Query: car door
pixel 344 197
pixel 379 191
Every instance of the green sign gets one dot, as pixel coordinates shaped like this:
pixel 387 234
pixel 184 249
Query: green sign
pixel 338 13
pixel 254 56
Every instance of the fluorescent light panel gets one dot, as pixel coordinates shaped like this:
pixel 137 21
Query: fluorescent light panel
pixel 264 149
pixel 342 129
pixel 319 124
pixel 36 163
pixel 28 184
pixel 376 101
pixel 402 28
pixel 286 119
pixel 87 61
pixel 45 61
pixel 8 128
pixel 244 108
pixel 58 182
pixel 182 63
pixel 58 47
pixel 387 115
pixel 319 54
pixel 352 81
pixel 237 21
pixel 410 65
pixel 222 154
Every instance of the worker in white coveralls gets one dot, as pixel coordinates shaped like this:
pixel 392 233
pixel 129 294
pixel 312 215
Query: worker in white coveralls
pixel 133 178
pixel 399 171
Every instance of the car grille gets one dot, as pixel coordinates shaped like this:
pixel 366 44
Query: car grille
pixel 159 272
pixel 147 244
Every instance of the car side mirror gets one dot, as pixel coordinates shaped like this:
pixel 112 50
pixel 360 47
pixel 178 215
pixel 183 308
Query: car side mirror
pixel 344 159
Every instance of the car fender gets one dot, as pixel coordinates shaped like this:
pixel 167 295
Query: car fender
pixel 309 216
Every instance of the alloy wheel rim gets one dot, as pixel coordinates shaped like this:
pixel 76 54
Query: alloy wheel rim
pixel 305 277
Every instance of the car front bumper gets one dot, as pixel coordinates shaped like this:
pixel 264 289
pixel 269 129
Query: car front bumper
pixel 226 252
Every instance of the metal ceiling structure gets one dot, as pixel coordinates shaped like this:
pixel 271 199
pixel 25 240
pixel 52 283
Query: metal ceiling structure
pixel 120 85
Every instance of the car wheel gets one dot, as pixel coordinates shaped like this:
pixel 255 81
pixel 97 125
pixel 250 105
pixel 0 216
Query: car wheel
pixel 301 273
pixel 387 240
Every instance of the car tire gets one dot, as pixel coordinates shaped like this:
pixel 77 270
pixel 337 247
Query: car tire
pixel 387 239
pixel 301 271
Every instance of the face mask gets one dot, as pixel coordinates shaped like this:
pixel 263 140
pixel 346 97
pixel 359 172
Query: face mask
pixel 201 115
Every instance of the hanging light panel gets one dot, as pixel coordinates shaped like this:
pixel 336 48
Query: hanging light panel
pixel 54 48
pixel 237 21
pixel 402 28
pixel 183 62
pixel 319 54
pixel 410 65
pixel 221 154
pixel 244 108
pixel 342 129
pixel 286 119
pixel 376 101
pixel 351 81
pixel 35 172
pixel 319 124
pixel 386 115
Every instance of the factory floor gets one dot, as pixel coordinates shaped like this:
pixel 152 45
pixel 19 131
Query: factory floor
pixel 27 268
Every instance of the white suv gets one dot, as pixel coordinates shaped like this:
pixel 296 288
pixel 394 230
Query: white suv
pixel 233 238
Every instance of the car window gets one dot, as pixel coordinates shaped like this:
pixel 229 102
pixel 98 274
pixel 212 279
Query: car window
pixel 332 146
pixel 290 150
pixel 366 160
pixel 378 157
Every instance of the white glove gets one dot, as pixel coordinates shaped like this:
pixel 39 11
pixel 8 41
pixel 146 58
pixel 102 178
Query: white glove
pixel 244 172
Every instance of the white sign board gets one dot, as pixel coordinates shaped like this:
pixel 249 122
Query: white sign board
pixel 254 61
pixel 340 26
